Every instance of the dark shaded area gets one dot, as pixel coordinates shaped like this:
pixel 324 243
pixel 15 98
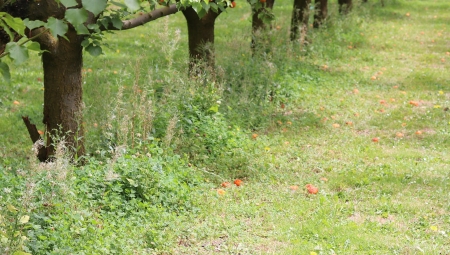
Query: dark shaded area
pixel 201 38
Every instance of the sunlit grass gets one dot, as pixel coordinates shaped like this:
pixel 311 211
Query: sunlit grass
pixel 377 73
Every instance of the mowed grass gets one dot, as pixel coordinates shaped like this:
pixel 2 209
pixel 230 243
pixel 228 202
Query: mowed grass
pixel 380 72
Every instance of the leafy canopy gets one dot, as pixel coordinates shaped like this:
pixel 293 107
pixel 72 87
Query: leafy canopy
pixel 108 14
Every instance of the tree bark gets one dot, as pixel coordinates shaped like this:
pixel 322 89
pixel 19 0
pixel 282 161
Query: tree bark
pixel 35 137
pixel 300 16
pixel 320 13
pixel 62 62
pixel 345 6
pixel 201 39
pixel 258 24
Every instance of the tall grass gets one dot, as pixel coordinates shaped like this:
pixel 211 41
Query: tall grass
pixel 160 143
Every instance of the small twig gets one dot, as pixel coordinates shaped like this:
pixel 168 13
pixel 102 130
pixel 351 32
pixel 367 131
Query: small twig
pixel 223 179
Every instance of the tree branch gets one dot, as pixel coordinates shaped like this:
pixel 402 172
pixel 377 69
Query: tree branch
pixel 145 18
pixel 35 136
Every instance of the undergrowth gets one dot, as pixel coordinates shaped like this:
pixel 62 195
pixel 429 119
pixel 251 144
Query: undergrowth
pixel 360 110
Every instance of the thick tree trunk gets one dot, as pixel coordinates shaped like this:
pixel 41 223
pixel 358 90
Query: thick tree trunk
pixel 258 24
pixel 345 6
pixel 300 16
pixel 320 13
pixel 201 39
pixel 62 63
pixel 63 91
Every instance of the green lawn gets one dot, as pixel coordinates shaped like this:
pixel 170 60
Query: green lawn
pixel 361 112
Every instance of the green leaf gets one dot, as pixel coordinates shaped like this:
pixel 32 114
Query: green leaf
pixel 213 6
pixel 4 69
pixel 18 53
pixel 221 7
pixel 94 50
pixel 11 208
pixel 7 30
pixel 85 42
pixel 214 108
pixel 205 6
pixel 105 21
pixel 24 219
pixel 69 3
pixel 94 27
pixel 34 46
pixel 15 23
pixel 42 237
pixel 201 13
pixel 133 5
pixel 197 7
pixel 32 24
pixel 94 6
pixel 57 27
pixel 82 30
pixel 117 22
pixel 76 16
pixel 132 182
pixel 118 4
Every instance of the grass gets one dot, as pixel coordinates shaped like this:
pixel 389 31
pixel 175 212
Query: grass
pixel 160 194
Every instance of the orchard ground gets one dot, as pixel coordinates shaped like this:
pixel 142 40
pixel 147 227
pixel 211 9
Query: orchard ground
pixel 361 112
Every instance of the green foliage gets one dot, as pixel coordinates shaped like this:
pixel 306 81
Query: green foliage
pixel 132 5
pixel 95 6
pixel 17 53
pixel 77 17
pixel 4 69
pixel 143 192
pixel 157 178
pixel 66 210
pixel 210 141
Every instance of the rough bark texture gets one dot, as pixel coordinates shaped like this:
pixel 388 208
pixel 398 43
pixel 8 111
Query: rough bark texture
pixel 63 91
pixel 320 12
pixel 345 6
pixel 258 24
pixel 62 63
pixel 35 137
pixel 145 18
pixel 300 16
pixel 201 38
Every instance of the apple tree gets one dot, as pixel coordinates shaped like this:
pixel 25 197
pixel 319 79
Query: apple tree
pixel 261 16
pixel 61 30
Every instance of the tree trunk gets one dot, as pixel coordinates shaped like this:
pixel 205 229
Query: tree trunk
pixel 63 91
pixel 345 6
pixel 300 16
pixel 258 24
pixel 201 39
pixel 320 13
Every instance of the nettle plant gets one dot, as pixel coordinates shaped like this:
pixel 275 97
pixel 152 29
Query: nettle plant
pixel 59 30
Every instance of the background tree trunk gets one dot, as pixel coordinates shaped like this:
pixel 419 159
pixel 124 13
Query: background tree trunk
pixel 258 24
pixel 300 16
pixel 201 38
pixel 63 91
pixel 320 13
pixel 345 6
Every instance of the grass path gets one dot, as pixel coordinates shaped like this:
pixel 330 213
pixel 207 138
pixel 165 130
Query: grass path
pixel 389 79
